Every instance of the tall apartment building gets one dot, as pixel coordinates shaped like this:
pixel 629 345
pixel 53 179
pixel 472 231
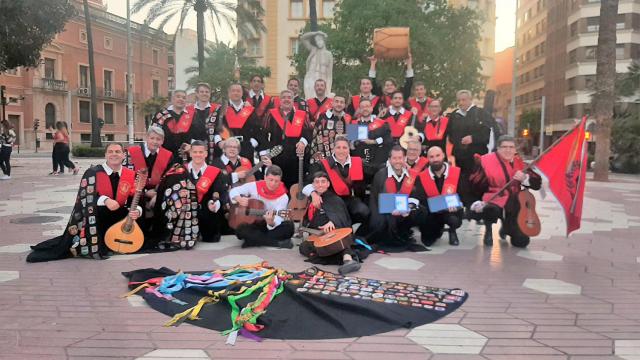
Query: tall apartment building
pixel 284 19
pixel 556 48
pixel 59 89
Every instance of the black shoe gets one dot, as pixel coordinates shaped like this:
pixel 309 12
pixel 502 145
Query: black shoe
pixel 453 238
pixel 502 233
pixel 488 236
pixel 285 244
pixel 349 266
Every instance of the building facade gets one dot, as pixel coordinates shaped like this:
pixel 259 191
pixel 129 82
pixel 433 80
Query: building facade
pixel 59 88
pixel 502 81
pixel 556 49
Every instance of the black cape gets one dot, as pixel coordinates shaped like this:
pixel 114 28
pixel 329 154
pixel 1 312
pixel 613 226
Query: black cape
pixel 330 307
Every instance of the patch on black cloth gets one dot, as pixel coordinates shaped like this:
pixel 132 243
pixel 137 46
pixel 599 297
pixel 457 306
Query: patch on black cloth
pixel 319 305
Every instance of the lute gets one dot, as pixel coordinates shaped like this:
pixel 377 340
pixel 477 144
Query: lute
pixel 125 236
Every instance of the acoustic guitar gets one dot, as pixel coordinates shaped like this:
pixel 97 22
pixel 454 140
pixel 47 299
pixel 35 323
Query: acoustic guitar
pixel 251 214
pixel 409 133
pixel 330 243
pixel 528 219
pixel 125 236
pixel 299 201
pixel 275 151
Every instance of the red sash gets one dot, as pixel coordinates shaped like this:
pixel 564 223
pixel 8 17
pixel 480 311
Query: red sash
pixel 212 108
pixel 374 125
pixel 206 180
pixel 420 164
pixel 294 128
pixel 245 164
pixel 397 127
pixel 436 131
pixel 450 185
pixel 421 110
pixel 159 166
pixel 315 109
pixel 340 185
pixel 493 169
pixel 126 185
pixel 237 120
pixel 263 105
pixel 355 100
pixel 387 100
pixel 184 124
pixel 405 188
pixel 264 192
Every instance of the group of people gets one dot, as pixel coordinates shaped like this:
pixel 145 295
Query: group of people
pixel 7 138
pixel 206 160
pixel 61 150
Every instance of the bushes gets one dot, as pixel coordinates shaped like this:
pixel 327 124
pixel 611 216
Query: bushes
pixel 87 151
pixel 625 143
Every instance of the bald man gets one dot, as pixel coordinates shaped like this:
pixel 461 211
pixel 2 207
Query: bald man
pixel 440 178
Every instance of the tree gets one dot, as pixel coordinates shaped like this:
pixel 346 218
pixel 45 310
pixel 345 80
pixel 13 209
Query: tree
pixel 604 99
pixel 95 122
pixel 222 14
pixel 152 106
pixel 530 120
pixel 27 26
pixel 219 68
pixel 443 44
pixel 625 132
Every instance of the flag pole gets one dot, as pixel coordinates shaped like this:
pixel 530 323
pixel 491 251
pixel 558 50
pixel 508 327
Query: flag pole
pixel 532 163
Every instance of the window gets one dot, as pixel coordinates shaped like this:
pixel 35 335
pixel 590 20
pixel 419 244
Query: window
pixel 590 82
pixel 108 113
pixel 327 8
pixel 620 51
pixel 83 36
pixel 13 72
pixel 108 81
pixel 49 68
pixel 621 22
pixel 170 60
pixel 109 137
pixel 85 111
pixel 296 9
pixel 49 116
pixel 156 88
pixel 593 24
pixel 83 80
pixel 294 45
pixel 155 54
pixel 590 52
pixel 571 84
pixel 253 47
pixel 108 43
pixel 572 57
pixel 85 138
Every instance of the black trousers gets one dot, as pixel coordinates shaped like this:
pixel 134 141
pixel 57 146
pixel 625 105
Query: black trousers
pixel 432 224
pixel 259 235
pixel 491 213
pixel 210 224
pixel 358 211
pixel 5 157
pixel 388 230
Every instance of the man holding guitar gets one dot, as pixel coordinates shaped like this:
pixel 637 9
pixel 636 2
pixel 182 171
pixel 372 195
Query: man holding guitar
pixel 235 167
pixel 274 230
pixel 495 171
pixel 331 214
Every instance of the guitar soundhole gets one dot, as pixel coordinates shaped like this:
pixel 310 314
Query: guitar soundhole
pixel 126 242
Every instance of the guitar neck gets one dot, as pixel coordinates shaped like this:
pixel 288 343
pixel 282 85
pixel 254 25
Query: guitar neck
pixel 261 212
pixel 311 231
pixel 255 168
pixel 134 205
pixel 300 170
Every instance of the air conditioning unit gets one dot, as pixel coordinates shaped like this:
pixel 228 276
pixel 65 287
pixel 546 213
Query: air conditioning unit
pixel 83 91
pixel 108 93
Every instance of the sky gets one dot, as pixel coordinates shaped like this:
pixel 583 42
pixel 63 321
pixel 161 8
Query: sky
pixel 505 21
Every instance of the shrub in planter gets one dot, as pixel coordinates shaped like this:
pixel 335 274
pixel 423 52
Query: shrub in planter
pixel 87 151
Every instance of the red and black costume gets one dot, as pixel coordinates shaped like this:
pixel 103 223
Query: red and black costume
pixel 242 122
pixel 327 127
pixel 492 174
pixel 180 128
pixel 261 102
pixel 208 181
pixel 317 107
pixel 435 132
pixel 354 104
pixel 398 120
pixel 385 99
pixel 429 185
pixel 421 106
pixel 419 165
pixel 229 167
pixel 286 130
pixel 373 156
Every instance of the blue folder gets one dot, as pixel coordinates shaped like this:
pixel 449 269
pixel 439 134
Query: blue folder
pixel 357 132
pixel 444 202
pixel 388 203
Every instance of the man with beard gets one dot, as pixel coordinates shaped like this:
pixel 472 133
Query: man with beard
pixel 374 151
pixel 329 125
pixel 260 101
pixel 397 116
pixel 330 214
pixel 435 130
pixel 494 171
pixel 290 128
pixel 320 104
pixel 178 125
pixel 105 192
pixel 439 179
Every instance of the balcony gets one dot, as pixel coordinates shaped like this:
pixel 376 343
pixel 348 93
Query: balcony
pixel 103 94
pixel 52 84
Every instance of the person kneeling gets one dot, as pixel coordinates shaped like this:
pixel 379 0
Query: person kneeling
pixel 274 230
pixel 327 215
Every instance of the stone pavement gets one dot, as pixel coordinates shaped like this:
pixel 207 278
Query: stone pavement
pixel 563 298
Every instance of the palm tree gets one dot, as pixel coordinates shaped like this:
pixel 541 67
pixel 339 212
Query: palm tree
pixel 245 15
pixel 604 99
pixel 95 125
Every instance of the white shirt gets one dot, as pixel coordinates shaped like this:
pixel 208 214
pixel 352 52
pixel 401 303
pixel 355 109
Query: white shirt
pixel 464 112
pixel 147 152
pixel 445 173
pixel 237 107
pixel 252 94
pixel 371 118
pixel 197 106
pixel 251 190
pixel 196 176
pixel 393 111
pixel 308 189
pixel 392 173
pixel 329 114
pixel 225 160
pixel 103 198
pixel 170 108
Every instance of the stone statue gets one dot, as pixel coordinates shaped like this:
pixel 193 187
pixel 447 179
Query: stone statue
pixel 319 62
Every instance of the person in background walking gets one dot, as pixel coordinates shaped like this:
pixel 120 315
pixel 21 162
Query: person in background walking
pixel 7 138
pixel 61 150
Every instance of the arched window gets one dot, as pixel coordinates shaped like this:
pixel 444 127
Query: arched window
pixel 50 116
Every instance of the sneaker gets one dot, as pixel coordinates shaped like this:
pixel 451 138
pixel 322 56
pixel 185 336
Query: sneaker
pixel 75 170
pixel 285 244
pixel 5 177
pixel 488 236
pixel 53 173
pixel 349 266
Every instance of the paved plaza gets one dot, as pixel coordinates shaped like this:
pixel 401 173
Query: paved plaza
pixel 562 298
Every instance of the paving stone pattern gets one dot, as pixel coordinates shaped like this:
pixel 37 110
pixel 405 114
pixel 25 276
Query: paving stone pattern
pixel 575 298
